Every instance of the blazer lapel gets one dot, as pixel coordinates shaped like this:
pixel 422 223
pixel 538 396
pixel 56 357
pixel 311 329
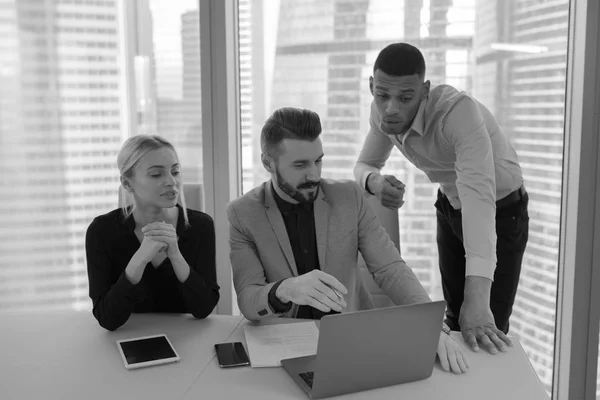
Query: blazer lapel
pixel 276 221
pixel 321 219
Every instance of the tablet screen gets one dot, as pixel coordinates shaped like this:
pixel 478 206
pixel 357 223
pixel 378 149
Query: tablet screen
pixel 148 349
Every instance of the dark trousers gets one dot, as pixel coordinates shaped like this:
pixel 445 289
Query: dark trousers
pixel 512 230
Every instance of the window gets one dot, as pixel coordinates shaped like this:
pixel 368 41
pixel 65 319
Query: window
pixel 510 55
pixel 77 91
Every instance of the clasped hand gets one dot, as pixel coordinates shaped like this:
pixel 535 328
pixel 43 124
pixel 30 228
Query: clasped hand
pixel 163 233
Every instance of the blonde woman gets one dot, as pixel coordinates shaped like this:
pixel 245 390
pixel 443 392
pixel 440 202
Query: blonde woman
pixel 154 255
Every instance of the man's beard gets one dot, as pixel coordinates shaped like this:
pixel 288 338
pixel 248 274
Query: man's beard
pixel 295 193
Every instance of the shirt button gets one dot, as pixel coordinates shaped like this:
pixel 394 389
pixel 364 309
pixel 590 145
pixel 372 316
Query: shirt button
pixel 305 251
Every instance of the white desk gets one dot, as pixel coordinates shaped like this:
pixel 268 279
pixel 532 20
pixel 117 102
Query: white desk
pixel 69 356
pixel 505 376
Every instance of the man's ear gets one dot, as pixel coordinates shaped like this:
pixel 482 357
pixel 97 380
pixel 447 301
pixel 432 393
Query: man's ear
pixel 425 90
pixel 126 184
pixel 371 84
pixel 267 162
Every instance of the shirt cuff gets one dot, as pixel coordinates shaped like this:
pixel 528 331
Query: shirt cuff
pixel 480 267
pixel 364 172
pixel 277 306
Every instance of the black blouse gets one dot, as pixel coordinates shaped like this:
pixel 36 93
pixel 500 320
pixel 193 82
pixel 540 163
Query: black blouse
pixel 110 244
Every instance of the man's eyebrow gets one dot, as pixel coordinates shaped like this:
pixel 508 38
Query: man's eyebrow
pixel 306 159
pixel 385 89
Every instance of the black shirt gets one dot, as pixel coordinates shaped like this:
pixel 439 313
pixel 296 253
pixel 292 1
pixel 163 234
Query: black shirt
pixel 110 244
pixel 299 222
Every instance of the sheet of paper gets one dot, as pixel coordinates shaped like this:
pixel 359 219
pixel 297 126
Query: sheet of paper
pixel 269 344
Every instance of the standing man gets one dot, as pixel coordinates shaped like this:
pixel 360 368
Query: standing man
pixel 482 220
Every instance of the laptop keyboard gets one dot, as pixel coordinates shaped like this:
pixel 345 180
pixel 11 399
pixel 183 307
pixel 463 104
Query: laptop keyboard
pixel 308 378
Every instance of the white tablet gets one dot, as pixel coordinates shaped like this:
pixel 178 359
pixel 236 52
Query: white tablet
pixel 147 351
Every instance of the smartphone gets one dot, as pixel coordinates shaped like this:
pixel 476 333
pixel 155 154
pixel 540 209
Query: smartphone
pixel 231 354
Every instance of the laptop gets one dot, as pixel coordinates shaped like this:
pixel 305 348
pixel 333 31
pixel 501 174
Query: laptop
pixel 370 349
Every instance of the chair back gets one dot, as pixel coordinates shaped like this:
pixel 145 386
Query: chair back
pixel 389 220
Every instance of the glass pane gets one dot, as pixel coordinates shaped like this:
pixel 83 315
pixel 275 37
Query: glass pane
pixel 175 36
pixel 83 75
pixel 509 54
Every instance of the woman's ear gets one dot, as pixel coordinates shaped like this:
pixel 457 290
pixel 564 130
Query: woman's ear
pixel 126 184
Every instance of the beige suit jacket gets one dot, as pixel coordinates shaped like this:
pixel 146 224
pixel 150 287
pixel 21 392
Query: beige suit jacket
pixel 261 253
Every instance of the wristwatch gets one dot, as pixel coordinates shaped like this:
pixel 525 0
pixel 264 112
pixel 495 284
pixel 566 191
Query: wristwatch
pixel 367 185
pixel 445 328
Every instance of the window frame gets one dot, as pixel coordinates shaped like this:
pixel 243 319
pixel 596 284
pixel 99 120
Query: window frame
pixel 576 346
pixel 221 130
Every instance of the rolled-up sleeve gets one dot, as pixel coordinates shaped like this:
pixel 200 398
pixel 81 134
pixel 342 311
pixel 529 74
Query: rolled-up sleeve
pixel 375 151
pixel 466 132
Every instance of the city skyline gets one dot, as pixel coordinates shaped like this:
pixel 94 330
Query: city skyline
pixel 92 79
pixel 61 131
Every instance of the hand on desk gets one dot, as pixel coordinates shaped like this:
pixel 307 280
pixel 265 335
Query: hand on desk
pixel 451 355
pixel 477 324
pixel 316 289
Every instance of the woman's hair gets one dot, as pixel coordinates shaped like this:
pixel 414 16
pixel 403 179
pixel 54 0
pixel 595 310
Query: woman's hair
pixel 129 156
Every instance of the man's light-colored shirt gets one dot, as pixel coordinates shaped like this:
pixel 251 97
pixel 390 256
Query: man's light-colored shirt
pixel 457 142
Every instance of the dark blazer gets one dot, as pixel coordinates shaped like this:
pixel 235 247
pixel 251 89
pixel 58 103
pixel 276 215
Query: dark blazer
pixel 261 253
